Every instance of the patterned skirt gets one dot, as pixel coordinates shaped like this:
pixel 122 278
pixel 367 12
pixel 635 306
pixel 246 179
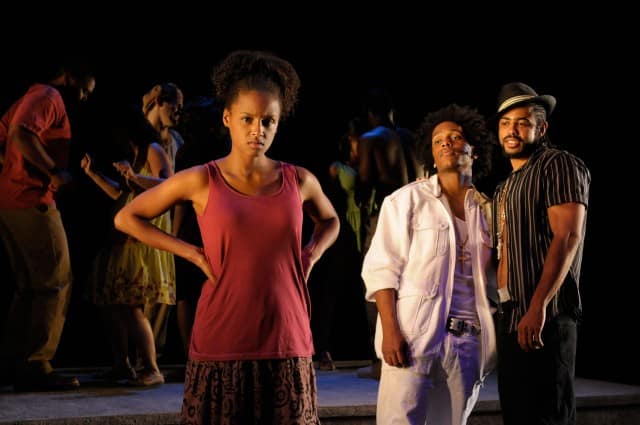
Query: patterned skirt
pixel 132 273
pixel 252 392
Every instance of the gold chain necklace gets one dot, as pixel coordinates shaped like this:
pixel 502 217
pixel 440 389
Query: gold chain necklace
pixel 501 235
pixel 502 220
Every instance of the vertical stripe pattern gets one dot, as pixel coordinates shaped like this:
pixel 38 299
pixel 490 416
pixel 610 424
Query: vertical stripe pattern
pixel 550 177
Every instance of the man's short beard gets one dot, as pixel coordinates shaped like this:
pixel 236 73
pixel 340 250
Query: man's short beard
pixel 526 151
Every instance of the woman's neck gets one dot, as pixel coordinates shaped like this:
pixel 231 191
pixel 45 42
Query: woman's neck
pixel 154 119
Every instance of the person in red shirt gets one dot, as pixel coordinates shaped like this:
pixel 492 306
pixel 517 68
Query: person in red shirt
pixel 35 134
pixel 251 345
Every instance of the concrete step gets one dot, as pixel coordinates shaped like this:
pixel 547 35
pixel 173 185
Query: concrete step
pixel 343 398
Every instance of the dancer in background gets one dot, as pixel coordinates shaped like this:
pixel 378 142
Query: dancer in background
pixel 336 284
pixel 127 274
pixel 35 136
pixel 162 106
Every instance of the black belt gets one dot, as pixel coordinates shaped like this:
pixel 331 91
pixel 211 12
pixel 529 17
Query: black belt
pixel 462 327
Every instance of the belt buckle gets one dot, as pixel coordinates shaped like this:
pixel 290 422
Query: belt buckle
pixel 458 327
pixel 455 326
pixel 474 330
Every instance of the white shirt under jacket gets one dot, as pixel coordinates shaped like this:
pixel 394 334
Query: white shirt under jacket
pixel 413 251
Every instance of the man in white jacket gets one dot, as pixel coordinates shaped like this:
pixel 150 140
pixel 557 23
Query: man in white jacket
pixel 426 270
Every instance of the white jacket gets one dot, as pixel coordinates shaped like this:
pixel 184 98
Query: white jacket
pixel 413 251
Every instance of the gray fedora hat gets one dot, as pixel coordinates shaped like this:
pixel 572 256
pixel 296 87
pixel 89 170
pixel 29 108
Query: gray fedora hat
pixel 517 93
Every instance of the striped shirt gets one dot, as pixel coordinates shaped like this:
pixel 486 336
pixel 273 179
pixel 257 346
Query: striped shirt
pixel 550 177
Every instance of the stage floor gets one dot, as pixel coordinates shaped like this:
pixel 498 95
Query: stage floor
pixel 341 395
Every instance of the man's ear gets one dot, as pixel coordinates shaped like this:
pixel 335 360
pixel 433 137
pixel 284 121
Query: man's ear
pixel 543 128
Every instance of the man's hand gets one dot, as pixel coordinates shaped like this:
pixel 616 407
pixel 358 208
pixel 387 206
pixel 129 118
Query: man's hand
pixel 394 347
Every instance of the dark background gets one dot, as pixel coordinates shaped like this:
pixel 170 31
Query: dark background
pixel 425 69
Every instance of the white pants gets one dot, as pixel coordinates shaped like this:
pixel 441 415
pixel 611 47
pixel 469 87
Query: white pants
pixel 446 395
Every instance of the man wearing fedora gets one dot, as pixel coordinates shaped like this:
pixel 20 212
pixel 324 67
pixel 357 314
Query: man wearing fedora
pixel 539 220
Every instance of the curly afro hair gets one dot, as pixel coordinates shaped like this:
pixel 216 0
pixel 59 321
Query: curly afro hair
pixel 474 128
pixel 256 70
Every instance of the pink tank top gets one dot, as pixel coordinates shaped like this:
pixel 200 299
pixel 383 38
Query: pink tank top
pixel 259 306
